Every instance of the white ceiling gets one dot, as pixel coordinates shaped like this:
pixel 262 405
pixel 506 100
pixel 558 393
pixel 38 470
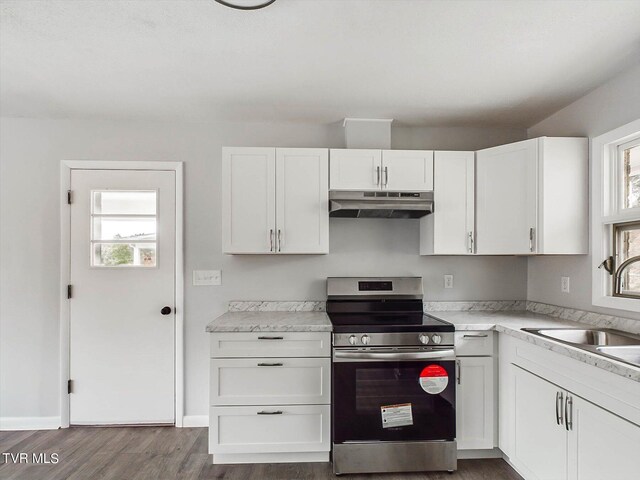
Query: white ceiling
pixel 508 63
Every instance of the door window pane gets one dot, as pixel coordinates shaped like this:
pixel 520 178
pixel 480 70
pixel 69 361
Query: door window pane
pixel 124 202
pixel 631 175
pixel 124 254
pixel 124 228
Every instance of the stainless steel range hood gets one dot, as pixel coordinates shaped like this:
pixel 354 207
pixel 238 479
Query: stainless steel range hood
pixel 352 204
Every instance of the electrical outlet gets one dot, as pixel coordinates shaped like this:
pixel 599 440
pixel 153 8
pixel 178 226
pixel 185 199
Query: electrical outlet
pixel 207 277
pixel 564 284
pixel 448 281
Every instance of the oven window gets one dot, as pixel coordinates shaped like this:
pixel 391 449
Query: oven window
pixel 363 390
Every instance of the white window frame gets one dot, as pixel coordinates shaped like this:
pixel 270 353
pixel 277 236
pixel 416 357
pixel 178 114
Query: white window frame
pixel 605 211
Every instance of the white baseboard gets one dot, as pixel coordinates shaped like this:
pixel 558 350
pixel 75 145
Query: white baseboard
pixel 195 421
pixel 469 454
pixel 299 457
pixel 29 423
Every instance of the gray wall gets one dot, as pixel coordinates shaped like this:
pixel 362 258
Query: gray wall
pixel 612 105
pixel 30 154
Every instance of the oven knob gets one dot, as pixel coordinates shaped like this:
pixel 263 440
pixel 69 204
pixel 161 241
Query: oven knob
pixel 365 339
pixel 353 339
pixel 423 338
pixel 436 339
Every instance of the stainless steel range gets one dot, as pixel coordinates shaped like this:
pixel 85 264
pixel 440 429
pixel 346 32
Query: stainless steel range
pixel 394 403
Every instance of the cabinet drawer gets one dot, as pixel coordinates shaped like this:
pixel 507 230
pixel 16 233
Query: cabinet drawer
pixel 270 344
pixel 271 429
pixel 270 381
pixel 476 343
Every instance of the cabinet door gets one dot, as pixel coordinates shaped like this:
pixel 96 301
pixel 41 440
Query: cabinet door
pixel 407 170
pixel 540 444
pixel 601 444
pixel 248 200
pixel 506 198
pixel 302 205
pixel 475 403
pixel 453 215
pixel 355 169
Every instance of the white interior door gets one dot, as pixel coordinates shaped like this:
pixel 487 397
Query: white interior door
pixel 122 276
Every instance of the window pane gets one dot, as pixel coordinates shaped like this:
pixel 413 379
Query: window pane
pixel 631 162
pixel 627 238
pixel 631 279
pixel 114 228
pixel 124 254
pixel 124 202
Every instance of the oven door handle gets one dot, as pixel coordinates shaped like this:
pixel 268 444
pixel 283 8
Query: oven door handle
pixel 351 356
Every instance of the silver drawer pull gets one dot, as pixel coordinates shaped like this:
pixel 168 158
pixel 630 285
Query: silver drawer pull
pixel 264 412
pixel 270 364
pixel 475 336
pixel 270 338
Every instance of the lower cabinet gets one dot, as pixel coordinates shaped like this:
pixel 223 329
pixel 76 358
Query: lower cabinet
pixel 558 435
pixel 475 392
pixel 270 397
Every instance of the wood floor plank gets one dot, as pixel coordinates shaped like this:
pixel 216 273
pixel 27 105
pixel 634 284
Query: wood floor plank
pixel 166 453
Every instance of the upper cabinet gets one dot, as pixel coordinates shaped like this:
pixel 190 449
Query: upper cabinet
pixel 532 197
pixel 450 229
pixel 371 170
pixel 275 200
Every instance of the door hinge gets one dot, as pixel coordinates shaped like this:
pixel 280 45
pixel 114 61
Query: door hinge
pixel 69 386
pixel 69 197
pixel 69 291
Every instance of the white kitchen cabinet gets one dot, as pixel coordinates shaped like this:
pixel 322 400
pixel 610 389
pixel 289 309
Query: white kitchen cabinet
pixel 407 170
pixel 559 435
pixel 302 200
pixel 601 445
pixel 248 198
pixel 275 200
pixel 475 403
pixel 540 442
pixel 355 169
pixel 450 229
pixel 374 170
pixel 270 381
pixel 532 197
pixel 269 397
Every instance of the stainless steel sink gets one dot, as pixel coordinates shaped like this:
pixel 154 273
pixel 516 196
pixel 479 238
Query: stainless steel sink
pixel 621 346
pixel 629 354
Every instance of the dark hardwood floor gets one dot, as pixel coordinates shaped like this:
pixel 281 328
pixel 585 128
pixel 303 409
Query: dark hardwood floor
pixel 87 453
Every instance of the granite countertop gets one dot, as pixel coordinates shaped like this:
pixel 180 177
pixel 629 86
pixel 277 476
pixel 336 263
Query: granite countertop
pixel 511 323
pixel 271 322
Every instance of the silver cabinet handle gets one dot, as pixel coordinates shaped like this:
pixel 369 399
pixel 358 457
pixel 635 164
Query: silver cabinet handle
pixel 276 412
pixel 368 355
pixel 559 408
pixel 279 240
pixel 475 336
pixel 531 236
pixel 459 367
pixel 270 338
pixel 470 242
pixel 378 175
pixel 568 412
pixel 271 239
pixel 386 176
pixel 271 364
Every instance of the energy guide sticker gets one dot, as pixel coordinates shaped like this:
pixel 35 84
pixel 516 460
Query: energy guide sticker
pixel 396 415
pixel 433 379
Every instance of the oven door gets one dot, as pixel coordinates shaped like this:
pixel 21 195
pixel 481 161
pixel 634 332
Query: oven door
pixel 392 395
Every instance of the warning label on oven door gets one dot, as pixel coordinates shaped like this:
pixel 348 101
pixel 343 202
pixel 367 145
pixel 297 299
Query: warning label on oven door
pixel 433 379
pixel 396 415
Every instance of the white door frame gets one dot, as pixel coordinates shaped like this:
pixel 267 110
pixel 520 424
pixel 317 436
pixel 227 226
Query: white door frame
pixel 66 166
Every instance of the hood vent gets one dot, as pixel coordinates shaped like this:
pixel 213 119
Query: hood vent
pixel 380 204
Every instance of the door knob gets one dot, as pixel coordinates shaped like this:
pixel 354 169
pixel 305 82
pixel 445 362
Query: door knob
pixel 165 310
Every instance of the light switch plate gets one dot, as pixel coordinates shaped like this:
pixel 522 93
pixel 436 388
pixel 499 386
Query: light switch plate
pixel 448 281
pixel 564 284
pixel 207 277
